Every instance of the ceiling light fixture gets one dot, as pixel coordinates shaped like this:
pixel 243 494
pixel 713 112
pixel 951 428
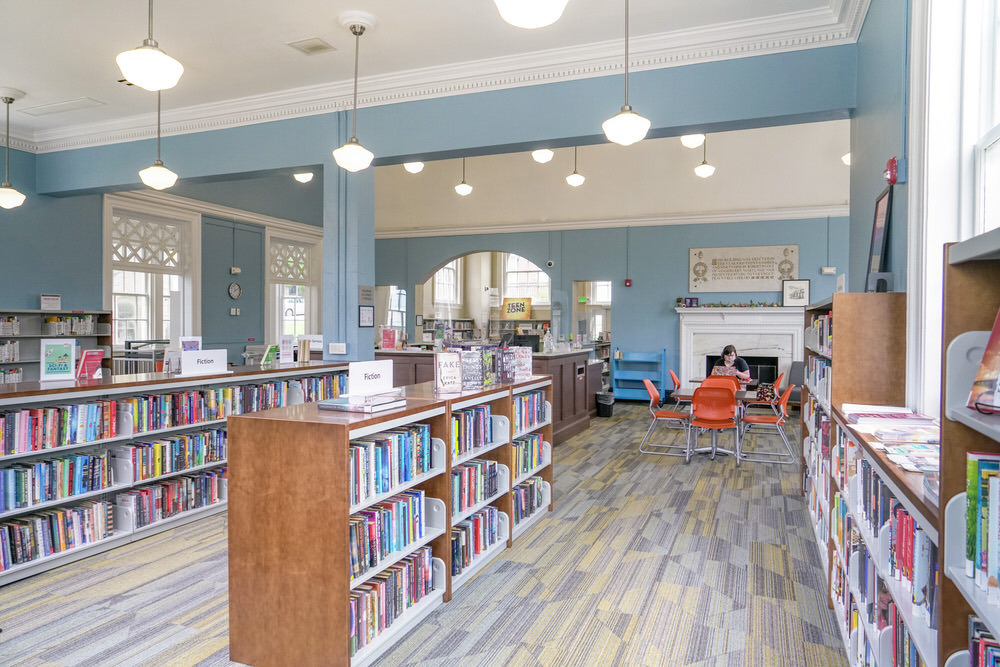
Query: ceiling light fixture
pixel 704 169
pixel 9 197
pixel 626 127
pixel 303 176
pixel 413 167
pixel 147 66
pixel 692 140
pixel 156 175
pixel 463 188
pixel 530 14
pixel 542 155
pixel 575 179
pixel 352 156
pixel 846 158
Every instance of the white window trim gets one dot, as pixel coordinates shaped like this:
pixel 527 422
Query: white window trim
pixel 504 272
pixel 314 313
pixel 191 277
pixel 459 276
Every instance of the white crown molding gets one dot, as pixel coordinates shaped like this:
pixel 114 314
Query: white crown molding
pixel 839 23
pixel 749 215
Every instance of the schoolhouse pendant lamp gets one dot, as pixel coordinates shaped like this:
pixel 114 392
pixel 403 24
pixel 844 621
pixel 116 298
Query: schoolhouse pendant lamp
pixel 542 155
pixel 575 179
pixel 147 66
pixel 413 167
pixel 463 188
pixel 626 127
pixel 156 175
pixel 704 169
pixel 352 156
pixel 9 197
pixel 692 140
pixel 530 14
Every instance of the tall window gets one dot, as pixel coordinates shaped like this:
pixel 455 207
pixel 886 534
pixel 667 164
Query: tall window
pixel 396 315
pixel 291 275
pixel 150 255
pixel 524 279
pixel 600 292
pixel 448 284
pixel 987 150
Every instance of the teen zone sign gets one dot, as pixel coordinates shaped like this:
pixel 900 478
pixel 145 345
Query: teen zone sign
pixel 742 269
pixel 515 308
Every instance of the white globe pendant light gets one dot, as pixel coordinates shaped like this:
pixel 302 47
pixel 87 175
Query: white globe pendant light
pixel 156 175
pixel 575 179
pixel 413 167
pixel 542 155
pixel 147 66
pixel 692 140
pixel 9 197
pixel 530 14
pixel 704 169
pixel 352 156
pixel 626 127
pixel 463 188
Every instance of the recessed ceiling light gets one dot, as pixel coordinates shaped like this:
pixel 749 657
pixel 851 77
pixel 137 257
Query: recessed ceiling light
pixel 303 176
pixel 542 155
pixel 413 167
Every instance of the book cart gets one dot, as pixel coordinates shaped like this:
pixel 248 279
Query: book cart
pixel 847 481
pixel 291 576
pixel 65 502
pixel 971 301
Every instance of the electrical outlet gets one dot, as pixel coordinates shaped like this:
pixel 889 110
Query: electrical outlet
pixel 338 348
pixel 234 311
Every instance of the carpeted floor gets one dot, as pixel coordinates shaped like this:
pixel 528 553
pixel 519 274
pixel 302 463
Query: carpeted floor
pixel 645 561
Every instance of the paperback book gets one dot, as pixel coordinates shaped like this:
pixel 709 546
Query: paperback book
pixel 983 397
pixel 376 403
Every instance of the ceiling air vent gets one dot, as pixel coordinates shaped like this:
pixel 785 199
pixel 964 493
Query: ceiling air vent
pixel 311 46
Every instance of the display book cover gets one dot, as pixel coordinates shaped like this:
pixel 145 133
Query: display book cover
pixel 371 403
pixel 984 397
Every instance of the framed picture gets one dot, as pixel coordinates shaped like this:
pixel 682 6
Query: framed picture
pixel 794 292
pixel 420 320
pixel 58 359
pixel 366 316
pixel 880 234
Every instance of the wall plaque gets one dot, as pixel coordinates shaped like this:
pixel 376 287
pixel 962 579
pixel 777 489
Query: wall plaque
pixel 742 269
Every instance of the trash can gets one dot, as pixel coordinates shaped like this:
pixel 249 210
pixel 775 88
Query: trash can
pixel 605 403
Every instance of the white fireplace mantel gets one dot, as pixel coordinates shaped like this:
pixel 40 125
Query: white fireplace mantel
pixel 756 332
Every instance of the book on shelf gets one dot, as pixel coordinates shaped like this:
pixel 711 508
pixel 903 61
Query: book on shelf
pixel 917 433
pixel 980 466
pixel 983 396
pixel 374 403
pixel 888 418
pixel 88 368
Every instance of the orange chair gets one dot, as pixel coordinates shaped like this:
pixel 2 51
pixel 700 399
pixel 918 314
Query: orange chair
pixel 728 381
pixel 714 409
pixel 777 422
pixel 769 403
pixel 677 385
pixel 662 416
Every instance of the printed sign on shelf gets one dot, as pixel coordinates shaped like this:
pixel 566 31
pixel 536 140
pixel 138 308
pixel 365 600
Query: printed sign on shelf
pixel 203 362
pixel 369 377
pixel 57 359
pixel 518 308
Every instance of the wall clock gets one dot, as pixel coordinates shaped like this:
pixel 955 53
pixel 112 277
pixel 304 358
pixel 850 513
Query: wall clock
pixel 235 291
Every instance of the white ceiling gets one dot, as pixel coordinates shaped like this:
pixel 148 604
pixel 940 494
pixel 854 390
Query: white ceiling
pixel 238 69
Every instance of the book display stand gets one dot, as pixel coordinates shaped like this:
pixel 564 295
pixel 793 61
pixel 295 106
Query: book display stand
pixel 135 457
pixel 294 502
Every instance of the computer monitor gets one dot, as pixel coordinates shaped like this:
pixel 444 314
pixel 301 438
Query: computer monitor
pixel 525 340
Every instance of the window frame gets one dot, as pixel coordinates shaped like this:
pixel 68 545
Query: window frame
pixel 505 284
pixel 456 265
pixel 313 283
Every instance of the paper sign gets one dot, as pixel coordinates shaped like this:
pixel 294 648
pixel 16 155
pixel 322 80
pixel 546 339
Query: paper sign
pixel 286 353
pixel 203 362
pixel 369 377
pixel 388 339
pixel 516 308
pixel 57 359
pixel 51 302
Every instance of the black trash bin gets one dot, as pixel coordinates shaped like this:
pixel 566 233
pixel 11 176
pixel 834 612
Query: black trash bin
pixel 605 403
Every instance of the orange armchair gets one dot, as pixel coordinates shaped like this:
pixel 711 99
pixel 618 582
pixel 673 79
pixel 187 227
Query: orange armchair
pixel 713 408
pixel 661 416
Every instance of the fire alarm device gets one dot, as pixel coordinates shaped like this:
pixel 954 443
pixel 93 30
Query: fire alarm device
pixel 628 282
pixel 890 171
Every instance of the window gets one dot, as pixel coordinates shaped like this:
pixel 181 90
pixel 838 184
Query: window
pixel 524 279
pixel 149 259
pixel 396 312
pixel 294 292
pixel 987 149
pixel 600 293
pixel 447 284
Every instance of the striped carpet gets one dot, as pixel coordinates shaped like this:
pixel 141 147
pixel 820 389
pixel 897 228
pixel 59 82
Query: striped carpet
pixel 645 561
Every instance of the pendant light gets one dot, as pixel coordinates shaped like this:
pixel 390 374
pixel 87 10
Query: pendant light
pixel 147 66
pixel 413 167
pixel 692 140
pixel 352 156
pixel 9 197
pixel 530 14
pixel 626 127
pixel 463 188
pixel 156 175
pixel 542 155
pixel 575 179
pixel 704 169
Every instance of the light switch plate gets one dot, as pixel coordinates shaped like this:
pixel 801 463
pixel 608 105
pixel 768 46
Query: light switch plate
pixel 338 348
pixel 828 270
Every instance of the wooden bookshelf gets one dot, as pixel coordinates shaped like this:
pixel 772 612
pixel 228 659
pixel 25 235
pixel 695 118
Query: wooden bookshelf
pixel 33 325
pixel 289 563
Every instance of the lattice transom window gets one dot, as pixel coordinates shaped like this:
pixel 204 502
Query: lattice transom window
pixel 147 241
pixel 289 261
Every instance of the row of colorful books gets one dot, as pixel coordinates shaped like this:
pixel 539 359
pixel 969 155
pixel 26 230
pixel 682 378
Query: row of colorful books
pixel 471 537
pixel 174 454
pixel 47 532
pixel 378 602
pixel 11 375
pixel 149 504
pixel 527 452
pixel 984 649
pixel 819 334
pixel 982 527
pixel 476 366
pixel 819 376
pixel 42 428
pixel 54 479
pixel 381 462
pixel 70 325
pixel 528 498
pixel 470 428
pixel 529 410
pixel 383 528
pixel 473 482
pixel 10 351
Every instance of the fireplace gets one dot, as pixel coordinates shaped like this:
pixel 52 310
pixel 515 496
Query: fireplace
pixel 762 369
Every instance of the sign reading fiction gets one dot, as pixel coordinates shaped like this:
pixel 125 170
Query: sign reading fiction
pixel 742 269
pixel 515 308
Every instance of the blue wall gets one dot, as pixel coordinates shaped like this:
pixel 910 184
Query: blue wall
pixel 877 134
pixel 277 195
pixel 642 316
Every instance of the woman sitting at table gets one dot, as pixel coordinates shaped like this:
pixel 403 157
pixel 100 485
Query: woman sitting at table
pixel 731 364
